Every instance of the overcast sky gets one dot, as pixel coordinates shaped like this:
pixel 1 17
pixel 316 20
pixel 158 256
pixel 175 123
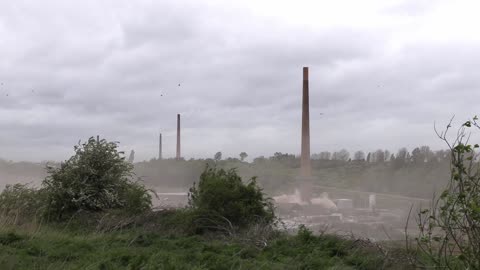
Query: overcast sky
pixel 381 72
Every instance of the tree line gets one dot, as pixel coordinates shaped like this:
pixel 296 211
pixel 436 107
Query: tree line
pixel 419 155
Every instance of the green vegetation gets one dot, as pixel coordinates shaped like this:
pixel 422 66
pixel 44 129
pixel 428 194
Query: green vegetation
pixel 221 196
pixel 96 178
pixel 98 218
pixel 91 213
pixel 144 248
pixel 449 236
pixel 19 203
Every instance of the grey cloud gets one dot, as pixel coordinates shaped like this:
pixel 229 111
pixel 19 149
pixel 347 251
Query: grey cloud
pixel 113 68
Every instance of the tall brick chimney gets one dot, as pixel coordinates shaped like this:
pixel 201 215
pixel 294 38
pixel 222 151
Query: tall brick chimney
pixel 178 137
pixel 305 164
pixel 160 147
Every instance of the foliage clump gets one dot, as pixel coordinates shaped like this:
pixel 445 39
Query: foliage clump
pixel 449 235
pixel 221 196
pixel 21 202
pixel 96 178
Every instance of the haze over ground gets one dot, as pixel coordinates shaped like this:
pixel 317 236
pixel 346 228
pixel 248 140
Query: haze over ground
pixel 381 72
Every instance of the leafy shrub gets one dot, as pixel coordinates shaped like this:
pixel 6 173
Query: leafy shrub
pixel 19 202
pixel 221 198
pixel 449 236
pixel 304 234
pixel 96 178
pixel 136 196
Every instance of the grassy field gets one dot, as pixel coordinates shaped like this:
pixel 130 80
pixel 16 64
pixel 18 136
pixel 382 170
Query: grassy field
pixel 51 248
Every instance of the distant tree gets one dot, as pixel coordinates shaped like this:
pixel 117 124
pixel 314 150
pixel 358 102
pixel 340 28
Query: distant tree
pixel 417 156
pixel 342 155
pixel 422 154
pixel 359 155
pixel 218 156
pixel 243 156
pixel 401 158
pixel 387 155
pixel 369 157
pixel 279 156
pixel 325 155
pixel 402 154
pixel 379 156
pixel 131 157
pixel 259 160
pixel 286 159
pixel 427 154
pixel 441 155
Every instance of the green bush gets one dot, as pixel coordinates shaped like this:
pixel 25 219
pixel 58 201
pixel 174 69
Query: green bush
pixel 304 234
pixel 96 178
pixel 449 231
pixel 222 199
pixel 20 202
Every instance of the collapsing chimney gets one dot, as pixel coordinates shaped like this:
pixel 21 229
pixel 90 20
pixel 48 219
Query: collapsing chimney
pixel 305 178
pixel 178 137
pixel 305 164
pixel 160 147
